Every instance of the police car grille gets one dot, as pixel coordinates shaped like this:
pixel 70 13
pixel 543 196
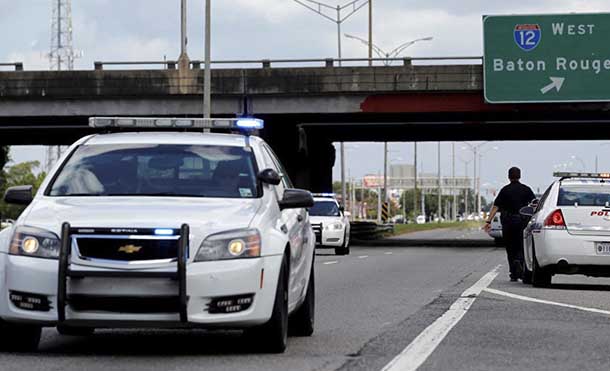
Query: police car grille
pixel 127 249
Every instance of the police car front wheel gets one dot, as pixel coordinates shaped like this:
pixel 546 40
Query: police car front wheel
pixel 272 337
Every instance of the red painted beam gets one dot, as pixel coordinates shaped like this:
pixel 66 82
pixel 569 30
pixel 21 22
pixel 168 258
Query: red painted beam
pixel 455 102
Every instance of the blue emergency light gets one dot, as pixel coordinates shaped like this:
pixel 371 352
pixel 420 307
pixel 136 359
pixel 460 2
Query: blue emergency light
pixel 250 123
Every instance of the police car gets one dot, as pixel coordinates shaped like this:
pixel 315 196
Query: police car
pixel 569 231
pixel 161 230
pixel 495 231
pixel 330 223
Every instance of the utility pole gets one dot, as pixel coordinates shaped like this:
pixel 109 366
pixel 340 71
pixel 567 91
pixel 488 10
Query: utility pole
pixel 343 188
pixel 439 207
pixel 207 73
pixel 183 60
pixel 453 189
pixel 385 171
pixel 415 213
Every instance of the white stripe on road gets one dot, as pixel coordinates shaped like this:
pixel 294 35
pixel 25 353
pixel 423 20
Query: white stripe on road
pixel 534 300
pixel 331 262
pixel 388 253
pixel 416 353
pixel 363 256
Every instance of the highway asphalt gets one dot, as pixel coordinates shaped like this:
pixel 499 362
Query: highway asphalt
pixel 370 306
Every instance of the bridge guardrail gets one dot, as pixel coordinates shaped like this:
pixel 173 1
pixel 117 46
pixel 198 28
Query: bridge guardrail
pixel 268 63
pixel 368 230
pixel 17 65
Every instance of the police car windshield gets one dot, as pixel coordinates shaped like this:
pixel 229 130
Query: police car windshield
pixel 324 208
pixel 158 170
pixel 584 195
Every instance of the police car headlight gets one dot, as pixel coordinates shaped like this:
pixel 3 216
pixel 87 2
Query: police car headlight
pixel 242 243
pixel 35 242
pixel 335 226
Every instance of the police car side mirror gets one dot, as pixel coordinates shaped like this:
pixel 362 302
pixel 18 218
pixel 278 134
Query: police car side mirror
pixel 534 202
pixel 19 195
pixel 526 211
pixel 342 209
pixel 296 199
pixel 269 176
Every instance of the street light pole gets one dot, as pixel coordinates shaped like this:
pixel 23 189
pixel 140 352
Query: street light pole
pixel 370 32
pixel 320 9
pixel 381 53
pixel 415 213
pixel 439 206
pixel 453 193
pixel 207 80
pixel 385 171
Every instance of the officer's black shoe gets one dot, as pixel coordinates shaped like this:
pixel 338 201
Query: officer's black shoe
pixel 518 269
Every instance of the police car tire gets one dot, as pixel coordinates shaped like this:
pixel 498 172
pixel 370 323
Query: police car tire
pixel 526 278
pixel 19 338
pixel 75 331
pixel 303 320
pixel 272 337
pixel 540 276
pixel 344 249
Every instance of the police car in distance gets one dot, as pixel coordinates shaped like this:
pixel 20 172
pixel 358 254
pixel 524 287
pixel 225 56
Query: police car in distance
pixel 330 224
pixel 569 229
pixel 160 229
pixel 496 229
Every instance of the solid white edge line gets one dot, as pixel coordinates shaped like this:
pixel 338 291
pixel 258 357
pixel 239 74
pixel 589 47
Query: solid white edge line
pixel 331 262
pixel 416 353
pixel 541 301
pixel 363 256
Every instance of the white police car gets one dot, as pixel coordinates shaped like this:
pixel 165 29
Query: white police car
pixel 330 224
pixel 160 229
pixel 569 232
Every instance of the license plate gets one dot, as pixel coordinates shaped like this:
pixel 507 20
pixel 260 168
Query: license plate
pixel 602 248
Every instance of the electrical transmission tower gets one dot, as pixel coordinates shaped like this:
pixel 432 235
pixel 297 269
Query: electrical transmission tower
pixel 61 55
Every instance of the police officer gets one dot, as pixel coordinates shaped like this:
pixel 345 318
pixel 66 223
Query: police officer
pixel 509 201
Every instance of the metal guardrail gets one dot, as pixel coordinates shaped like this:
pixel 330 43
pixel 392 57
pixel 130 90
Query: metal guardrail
pixel 369 230
pixel 17 65
pixel 267 63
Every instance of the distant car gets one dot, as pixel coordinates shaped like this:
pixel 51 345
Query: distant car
pixel 569 229
pixel 421 219
pixel 330 223
pixel 496 229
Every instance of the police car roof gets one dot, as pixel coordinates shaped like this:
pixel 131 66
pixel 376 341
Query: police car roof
pixel 581 181
pixel 177 138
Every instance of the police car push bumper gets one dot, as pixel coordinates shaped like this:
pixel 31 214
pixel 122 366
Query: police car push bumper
pixel 43 291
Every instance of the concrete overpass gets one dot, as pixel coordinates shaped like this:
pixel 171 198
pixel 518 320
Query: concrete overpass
pixel 306 108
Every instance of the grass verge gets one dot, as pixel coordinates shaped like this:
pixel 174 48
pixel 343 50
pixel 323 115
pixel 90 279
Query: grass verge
pixel 400 229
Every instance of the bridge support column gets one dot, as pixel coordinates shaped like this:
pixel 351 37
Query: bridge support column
pixel 308 159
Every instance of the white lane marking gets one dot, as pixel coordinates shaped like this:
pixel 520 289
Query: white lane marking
pixel 416 353
pixel 331 262
pixel 388 253
pixel 534 300
pixel 363 256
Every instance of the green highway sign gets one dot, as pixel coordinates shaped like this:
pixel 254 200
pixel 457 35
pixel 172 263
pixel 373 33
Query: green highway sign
pixel 546 58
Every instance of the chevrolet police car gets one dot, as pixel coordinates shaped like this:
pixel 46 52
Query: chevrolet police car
pixel 330 223
pixel 160 229
pixel 569 231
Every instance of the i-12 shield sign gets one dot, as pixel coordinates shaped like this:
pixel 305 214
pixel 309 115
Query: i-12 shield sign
pixel 527 36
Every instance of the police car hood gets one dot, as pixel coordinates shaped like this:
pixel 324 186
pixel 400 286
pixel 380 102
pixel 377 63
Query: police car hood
pixel 204 216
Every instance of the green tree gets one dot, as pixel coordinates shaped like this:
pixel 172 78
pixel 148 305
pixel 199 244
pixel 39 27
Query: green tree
pixel 19 174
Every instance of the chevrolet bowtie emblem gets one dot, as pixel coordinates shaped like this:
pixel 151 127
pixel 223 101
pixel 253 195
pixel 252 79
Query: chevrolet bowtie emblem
pixel 130 249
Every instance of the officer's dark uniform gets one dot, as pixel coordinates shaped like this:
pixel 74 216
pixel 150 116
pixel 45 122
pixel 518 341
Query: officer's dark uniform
pixel 510 200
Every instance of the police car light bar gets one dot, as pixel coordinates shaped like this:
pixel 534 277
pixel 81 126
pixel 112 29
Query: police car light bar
pixel 324 195
pixel 245 123
pixel 581 175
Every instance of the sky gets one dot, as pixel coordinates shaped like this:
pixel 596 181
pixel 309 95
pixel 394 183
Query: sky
pixel 122 30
